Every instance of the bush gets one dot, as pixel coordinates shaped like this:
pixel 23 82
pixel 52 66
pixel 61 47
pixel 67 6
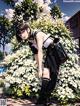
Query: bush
pixel 1 83
pixel 22 69
pixel 21 75
pixel 27 10
pixel 1 55
pixel 68 85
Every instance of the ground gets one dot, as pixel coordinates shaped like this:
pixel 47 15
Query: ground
pixel 19 102
pixel 25 102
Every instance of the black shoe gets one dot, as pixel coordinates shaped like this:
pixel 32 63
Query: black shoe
pixel 41 103
pixel 51 104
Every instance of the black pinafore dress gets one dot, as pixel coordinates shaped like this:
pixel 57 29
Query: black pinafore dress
pixel 51 59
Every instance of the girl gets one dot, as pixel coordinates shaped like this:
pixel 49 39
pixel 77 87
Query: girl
pixel 47 70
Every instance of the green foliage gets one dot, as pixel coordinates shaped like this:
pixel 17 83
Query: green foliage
pixel 5 26
pixel 21 76
pixel 1 83
pixel 27 90
pixel 15 45
pixel 17 91
pixel 26 11
pixel 9 2
pixel 55 12
pixel 5 35
pixel 23 70
pixel 1 55
pixel 68 85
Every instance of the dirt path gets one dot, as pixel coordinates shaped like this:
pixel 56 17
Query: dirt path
pixel 25 102
pixel 19 102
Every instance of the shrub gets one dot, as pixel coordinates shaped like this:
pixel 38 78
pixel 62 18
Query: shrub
pixel 21 75
pixel 22 69
pixel 1 55
pixel 68 85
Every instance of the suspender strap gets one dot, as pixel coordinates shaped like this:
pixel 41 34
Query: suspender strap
pixel 34 35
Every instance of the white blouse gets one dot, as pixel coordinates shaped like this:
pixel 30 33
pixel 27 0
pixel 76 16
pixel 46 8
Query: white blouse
pixel 47 40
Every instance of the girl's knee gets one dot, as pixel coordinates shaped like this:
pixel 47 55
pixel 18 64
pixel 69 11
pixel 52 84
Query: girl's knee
pixel 46 73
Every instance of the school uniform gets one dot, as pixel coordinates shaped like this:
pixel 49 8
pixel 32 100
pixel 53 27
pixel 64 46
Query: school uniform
pixel 50 61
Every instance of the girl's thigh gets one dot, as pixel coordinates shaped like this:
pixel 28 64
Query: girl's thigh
pixel 46 73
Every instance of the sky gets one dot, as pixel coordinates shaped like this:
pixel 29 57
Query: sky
pixel 3 6
pixel 68 9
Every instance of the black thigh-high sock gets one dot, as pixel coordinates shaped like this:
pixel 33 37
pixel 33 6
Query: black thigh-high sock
pixel 51 84
pixel 42 95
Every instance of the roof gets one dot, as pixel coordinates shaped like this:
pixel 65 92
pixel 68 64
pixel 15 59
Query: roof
pixel 73 16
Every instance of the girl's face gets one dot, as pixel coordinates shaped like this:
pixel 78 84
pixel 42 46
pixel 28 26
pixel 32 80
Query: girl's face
pixel 24 34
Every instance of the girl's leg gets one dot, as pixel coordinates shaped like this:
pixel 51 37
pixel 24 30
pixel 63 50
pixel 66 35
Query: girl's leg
pixel 45 80
pixel 46 73
pixel 52 83
pixel 48 84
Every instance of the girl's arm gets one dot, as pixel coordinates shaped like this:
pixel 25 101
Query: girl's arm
pixel 39 38
pixel 36 58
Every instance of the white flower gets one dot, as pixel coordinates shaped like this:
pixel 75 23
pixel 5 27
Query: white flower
pixel 13 67
pixel 18 80
pixel 9 14
pixel 19 71
pixel 7 85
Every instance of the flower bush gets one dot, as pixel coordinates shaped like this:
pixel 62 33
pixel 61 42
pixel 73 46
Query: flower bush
pixel 22 70
pixel 21 75
pixel 68 85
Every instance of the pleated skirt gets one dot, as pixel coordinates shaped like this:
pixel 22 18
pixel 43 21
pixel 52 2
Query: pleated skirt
pixel 51 61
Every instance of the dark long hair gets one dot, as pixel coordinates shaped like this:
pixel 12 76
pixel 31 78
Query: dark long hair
pixel 19 29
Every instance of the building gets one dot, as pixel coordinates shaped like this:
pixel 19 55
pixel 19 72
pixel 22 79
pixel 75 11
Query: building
pixel 74 26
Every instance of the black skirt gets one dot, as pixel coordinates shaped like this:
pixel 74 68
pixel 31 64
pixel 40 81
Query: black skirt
pixel 51 61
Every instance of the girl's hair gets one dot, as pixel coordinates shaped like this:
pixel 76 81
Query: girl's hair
pixel 20 29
